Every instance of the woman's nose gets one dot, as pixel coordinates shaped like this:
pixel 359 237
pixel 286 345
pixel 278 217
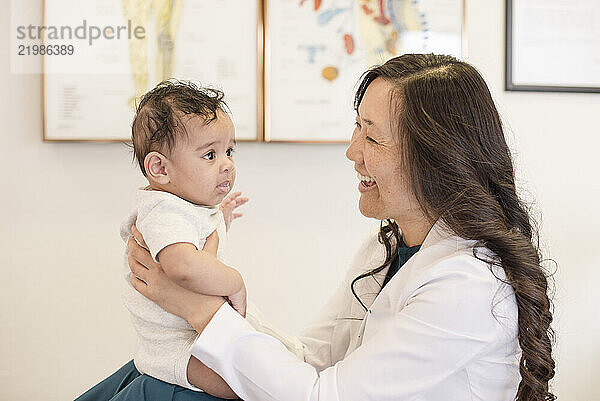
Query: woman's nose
pixel 353 153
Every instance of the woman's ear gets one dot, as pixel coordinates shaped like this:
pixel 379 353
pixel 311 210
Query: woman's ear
pixel 155 165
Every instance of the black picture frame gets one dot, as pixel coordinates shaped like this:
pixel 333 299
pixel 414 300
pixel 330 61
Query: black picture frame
pixel 509 83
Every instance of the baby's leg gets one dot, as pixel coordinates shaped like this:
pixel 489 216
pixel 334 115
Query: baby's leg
pixel 110 386
pixel 147 388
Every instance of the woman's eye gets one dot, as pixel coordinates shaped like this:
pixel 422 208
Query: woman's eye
pixel 369 139
pixel 209 156
pixel 230 152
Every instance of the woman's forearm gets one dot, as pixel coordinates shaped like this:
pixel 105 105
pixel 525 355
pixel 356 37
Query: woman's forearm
pixel 206 379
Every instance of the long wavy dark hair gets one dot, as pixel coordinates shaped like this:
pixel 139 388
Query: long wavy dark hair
pixel 461 172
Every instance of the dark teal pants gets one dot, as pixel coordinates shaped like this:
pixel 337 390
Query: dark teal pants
pixel 127 384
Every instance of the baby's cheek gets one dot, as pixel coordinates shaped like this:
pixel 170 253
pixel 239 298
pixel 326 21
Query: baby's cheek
pixel 204 176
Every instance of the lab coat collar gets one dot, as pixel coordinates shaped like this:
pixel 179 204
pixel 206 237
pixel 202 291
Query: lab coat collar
pixel 369 288
pixel 439 232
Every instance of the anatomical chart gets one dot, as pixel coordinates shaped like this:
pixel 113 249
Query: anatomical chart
pixel 318 49
pixel 92 94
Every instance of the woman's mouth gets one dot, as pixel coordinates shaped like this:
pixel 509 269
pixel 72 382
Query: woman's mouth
pixel 366 183
pixel 224 187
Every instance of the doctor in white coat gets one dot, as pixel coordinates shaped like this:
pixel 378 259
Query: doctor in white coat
pixel 465 317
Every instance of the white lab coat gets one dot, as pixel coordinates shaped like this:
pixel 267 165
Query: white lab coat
pixel 443 328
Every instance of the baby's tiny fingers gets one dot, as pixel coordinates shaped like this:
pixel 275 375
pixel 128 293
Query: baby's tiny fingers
pixel 233 196
pixel 241 201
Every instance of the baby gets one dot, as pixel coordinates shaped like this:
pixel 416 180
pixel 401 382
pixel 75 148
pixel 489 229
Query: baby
pixel 183 141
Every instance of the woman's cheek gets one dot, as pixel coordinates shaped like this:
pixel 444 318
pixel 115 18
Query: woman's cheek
pixel 370 160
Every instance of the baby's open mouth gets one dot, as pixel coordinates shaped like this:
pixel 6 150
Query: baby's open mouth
pixel 224 187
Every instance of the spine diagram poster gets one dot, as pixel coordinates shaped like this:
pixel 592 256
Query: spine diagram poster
pixel 123 48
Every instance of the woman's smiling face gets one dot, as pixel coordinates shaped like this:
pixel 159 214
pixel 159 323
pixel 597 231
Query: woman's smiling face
pixel 376 152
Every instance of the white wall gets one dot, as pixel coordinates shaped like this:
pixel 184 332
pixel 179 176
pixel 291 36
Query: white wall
pixel 64 327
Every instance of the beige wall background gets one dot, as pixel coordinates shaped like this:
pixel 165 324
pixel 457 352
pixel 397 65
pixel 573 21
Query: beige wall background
pixel 63 327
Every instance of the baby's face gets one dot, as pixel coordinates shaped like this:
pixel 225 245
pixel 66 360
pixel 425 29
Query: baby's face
pixel 201 168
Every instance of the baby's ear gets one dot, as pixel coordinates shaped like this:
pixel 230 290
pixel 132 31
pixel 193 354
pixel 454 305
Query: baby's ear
pixel 155 165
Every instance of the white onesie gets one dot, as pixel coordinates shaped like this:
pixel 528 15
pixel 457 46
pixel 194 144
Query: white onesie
pixel 164 340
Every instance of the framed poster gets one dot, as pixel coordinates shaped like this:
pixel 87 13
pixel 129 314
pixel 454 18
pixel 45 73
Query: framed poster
pixel 316 51
pixel 123 48
pixel 553 45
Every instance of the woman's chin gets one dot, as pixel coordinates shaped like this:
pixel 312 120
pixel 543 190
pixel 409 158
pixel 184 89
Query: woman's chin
pixel 367 209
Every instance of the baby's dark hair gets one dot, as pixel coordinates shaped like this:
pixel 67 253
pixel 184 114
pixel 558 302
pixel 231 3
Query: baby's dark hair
pixel 158 120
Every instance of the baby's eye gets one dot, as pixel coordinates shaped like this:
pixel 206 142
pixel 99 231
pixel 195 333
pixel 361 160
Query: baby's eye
pixel 230 152
pixel 209 156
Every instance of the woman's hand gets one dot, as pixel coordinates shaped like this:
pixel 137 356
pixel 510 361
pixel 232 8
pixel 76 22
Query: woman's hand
pixel 229 204
pixel 150 280
pixel 238 300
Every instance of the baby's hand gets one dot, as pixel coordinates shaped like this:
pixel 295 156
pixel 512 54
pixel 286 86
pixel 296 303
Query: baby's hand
pixel 238 301
pixel 229 204
pixel 212 243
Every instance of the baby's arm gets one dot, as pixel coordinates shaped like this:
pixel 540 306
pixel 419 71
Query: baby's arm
pixel 199 270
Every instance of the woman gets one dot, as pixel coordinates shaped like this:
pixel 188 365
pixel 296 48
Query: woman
pixel 447 301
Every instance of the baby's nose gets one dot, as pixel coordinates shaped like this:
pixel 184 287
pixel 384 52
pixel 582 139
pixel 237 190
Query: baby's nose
pixel 227 166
